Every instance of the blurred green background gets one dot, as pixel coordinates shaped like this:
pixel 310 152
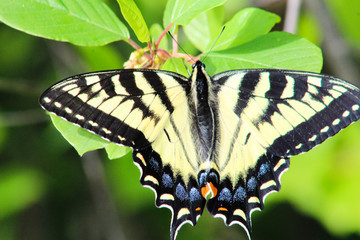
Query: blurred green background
pixel 48 192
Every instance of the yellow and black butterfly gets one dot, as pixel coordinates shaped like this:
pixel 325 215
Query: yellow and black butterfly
pixel 230 135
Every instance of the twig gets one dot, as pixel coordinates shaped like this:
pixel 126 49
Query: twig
pixel 104 205
pixel 162 35
pixel 292 16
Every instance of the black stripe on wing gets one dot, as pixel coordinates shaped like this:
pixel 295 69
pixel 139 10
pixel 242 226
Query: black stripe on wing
pixel 236 203
pixel 80 99
pixel 323 105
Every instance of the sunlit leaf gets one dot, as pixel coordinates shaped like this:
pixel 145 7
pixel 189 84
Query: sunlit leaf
pixel 177 65
pixel 273 50
pixel 202 29
pixel 135 19
pixel 245 26
pixel 81 22
pixel 115 151
pixel 181 12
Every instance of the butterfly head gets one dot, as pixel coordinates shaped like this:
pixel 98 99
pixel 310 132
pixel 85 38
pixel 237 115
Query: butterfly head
pixel 198 64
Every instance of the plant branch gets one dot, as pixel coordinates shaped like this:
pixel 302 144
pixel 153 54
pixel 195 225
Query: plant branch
pixel 104 206
pixel 292 16
pixel 162 35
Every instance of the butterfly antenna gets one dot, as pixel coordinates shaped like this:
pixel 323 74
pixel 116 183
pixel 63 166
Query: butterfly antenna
pixel 189 56
pixel 216 40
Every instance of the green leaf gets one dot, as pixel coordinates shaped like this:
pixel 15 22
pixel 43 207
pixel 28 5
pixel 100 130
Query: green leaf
pixel 81 22
pixel 273 50
pixel 177 65
pixel 181 12
pixel 202 29
pixel 19 189
pixel 101 58
pixel 135 19
pixel 115 151
pixel 82 140
pixel 245 26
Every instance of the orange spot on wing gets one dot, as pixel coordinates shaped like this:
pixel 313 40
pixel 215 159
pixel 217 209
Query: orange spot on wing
pixel 198 209
pixel 209 188
pixel 213 189
pixel 222 209
pixel 205 190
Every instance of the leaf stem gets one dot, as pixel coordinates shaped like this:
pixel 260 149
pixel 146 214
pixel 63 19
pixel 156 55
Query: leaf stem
pixel 133 44
pixel 137 47
pixel 162 35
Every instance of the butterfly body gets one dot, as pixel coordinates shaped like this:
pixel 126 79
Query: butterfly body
pixel 229 135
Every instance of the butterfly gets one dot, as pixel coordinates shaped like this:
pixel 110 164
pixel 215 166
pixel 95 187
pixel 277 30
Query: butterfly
pixel 226 137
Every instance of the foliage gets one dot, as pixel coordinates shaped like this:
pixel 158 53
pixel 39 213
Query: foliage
pixel 246 42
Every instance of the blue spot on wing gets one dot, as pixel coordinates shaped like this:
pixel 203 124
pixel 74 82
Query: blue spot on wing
pixel 167 180
pixel 251 184
pixel 225 195
pixel 240 194
pixel 264 169
pixel 181 192
pixel 194 195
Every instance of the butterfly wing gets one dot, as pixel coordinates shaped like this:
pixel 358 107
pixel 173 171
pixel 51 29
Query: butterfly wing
pixel 148 111
pixel 264 117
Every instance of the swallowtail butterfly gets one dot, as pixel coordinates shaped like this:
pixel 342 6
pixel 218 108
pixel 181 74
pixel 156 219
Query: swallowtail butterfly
pixel 229 135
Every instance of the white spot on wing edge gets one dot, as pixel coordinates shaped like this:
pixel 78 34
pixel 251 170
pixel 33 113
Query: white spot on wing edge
pixel 105 130
pixel 336 122
pixel 268 184
pixel 57 104
pixel 279 164
pixel 325 129
pixel 182 212
pixel 355 107
pixel 298 146
pixel 240 213
pixel 346 113
pixel 94 124
pixel 167 197
pixel 313 138
pixel 150 178
pixel 253 200
pixel 68 110
pixel 141 157
pixel 80 117
pixel 47 99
